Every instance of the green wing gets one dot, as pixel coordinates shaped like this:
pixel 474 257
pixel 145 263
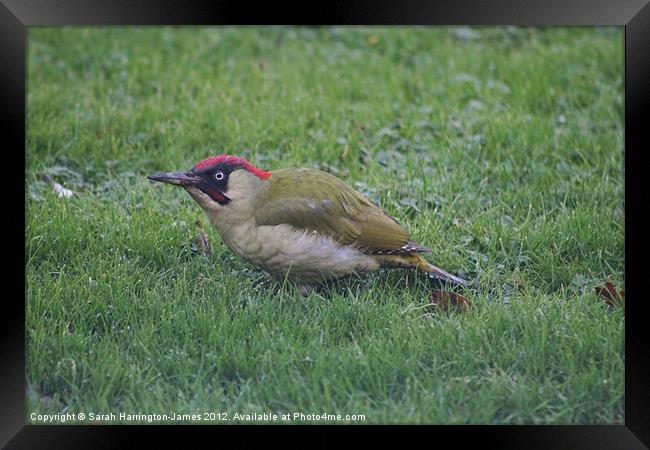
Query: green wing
pixel 313 200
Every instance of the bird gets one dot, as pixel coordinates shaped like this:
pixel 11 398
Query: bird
pixel 300 224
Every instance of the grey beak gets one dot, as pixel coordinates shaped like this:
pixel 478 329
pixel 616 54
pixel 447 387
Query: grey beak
pixel 177 178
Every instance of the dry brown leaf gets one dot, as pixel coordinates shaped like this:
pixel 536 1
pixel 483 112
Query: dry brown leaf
pixel 612 296
pixel 447 300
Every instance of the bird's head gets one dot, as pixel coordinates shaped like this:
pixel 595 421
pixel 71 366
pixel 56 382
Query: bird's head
pixel 217 181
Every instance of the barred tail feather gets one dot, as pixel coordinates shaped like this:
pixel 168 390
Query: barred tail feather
pixel 425 265
pixel 412 261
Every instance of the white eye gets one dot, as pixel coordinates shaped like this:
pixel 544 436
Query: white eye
pixel 219 175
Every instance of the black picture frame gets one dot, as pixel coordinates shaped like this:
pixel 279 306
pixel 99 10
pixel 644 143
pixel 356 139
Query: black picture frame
pixel 634 15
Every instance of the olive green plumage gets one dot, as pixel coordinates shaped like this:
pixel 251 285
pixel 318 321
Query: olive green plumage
pixel 300 224
pixel 314 200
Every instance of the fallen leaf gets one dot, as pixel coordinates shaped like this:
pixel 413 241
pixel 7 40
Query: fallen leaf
pixel 447 300
pixel 58 188
pixel 61 191
pixel 202 240
pixel 611 295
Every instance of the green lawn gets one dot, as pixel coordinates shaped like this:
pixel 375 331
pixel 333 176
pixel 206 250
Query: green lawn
pixel 501 148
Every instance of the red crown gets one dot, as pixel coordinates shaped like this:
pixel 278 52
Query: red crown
pixel 232 161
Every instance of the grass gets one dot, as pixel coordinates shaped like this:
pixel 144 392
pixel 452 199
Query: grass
pixel 502 148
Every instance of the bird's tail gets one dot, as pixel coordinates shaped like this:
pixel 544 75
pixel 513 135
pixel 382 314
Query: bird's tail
pixel 412 260
pixel 437 272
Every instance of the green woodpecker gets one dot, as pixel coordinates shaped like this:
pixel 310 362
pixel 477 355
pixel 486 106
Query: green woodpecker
pixel 303 224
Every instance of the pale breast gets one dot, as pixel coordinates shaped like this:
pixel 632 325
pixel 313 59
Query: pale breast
pixel 299 255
